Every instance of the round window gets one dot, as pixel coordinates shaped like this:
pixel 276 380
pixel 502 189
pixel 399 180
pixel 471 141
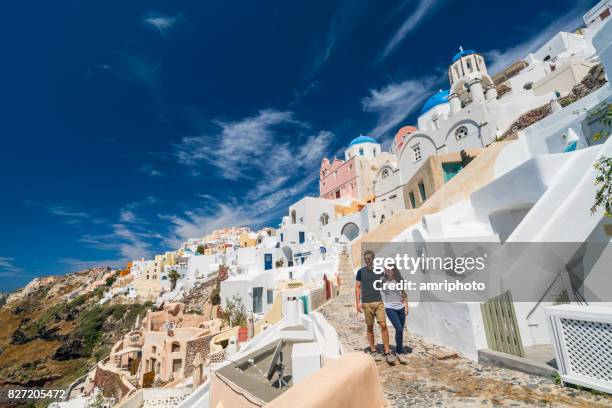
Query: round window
pixel 461 132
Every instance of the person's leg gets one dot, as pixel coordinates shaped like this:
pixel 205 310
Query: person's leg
pixel 394 317
pixel 382 321
pixel 399 331
pixel 371 337
pixel 369 318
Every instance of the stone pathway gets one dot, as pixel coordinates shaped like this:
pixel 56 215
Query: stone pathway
pixel 455 382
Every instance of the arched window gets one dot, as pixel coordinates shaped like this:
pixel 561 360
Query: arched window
pixel 324 219
pixel 382 219
pixel 461 132
pixel 528 86
pixel 361 151
pixel 176 347
pixel 293 217
pixel 546 58
pixel 385 173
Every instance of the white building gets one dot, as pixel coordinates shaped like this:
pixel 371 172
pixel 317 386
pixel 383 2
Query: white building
pixel 292 255
pixel 542 192
pixel 307 343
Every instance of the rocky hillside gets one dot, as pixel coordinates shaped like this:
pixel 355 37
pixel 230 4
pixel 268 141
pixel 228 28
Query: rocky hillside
pixel 54 330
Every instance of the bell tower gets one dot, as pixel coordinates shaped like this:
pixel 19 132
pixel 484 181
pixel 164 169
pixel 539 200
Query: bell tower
pixel 469 80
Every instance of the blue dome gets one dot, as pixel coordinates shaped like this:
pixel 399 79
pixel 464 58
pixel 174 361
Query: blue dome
pixel 438 98
pixel 362 139
pixel 462 53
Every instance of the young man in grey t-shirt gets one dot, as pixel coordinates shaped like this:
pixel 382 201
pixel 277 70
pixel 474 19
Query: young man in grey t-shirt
pixel 368 301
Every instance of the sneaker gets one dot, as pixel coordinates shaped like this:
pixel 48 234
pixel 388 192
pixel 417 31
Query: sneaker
pixel 402 359
pixel 375 354
pixel 390 358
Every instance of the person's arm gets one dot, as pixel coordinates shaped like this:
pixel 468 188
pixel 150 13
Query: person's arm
pixel 405 300
pixel 358 292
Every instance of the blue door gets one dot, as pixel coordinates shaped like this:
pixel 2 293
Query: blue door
pixel 302 237
pixel 267 261
pixel 450 170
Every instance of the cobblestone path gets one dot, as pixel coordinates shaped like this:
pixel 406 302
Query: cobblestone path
pixel 455 382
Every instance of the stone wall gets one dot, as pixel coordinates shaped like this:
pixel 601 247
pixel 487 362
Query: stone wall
pixel 111 383
pixel 193 347
pixel 317 297
pixel 217 357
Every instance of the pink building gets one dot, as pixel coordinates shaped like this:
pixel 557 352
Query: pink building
pixel 353 176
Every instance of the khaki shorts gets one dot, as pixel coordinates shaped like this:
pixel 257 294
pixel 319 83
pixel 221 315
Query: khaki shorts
pixel 374 309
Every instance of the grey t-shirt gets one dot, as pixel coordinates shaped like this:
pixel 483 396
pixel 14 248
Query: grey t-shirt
pixel 393 299
pixel 368 293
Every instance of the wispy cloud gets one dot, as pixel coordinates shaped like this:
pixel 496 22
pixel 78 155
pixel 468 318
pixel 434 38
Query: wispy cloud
pixel 130 242
pixel 498 59
pixel 161 22
pixel 396 101
pixel 81 265
pixel 342 23
pixel 8 267
pixel 150 170
pixel 197 223
pixel 423 9
pixel 272 149
pixel 130 236
pixel 239 147
pixel 128 214
pixel 133 68
pixel 70 212
pixel 250 212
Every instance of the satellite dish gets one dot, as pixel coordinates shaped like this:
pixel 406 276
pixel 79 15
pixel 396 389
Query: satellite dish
pixel 277 366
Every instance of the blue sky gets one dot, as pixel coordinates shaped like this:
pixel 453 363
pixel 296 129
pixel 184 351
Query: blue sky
pixel 127 127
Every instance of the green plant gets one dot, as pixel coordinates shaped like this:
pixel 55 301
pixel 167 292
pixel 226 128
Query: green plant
pixel 235 313
pixel 98 401
pixel 200 250
pixel 603 166
pixel 174 276
pixel 110 281
pixel 603 181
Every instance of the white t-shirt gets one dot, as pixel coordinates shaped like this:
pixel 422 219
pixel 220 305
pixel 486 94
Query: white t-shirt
pixel 393 299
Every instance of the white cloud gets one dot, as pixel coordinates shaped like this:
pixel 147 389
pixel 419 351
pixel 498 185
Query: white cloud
pixel 8 267
pixel 342 23
pixel 81 265
pixel 134 68
pixel 423 9
pixel 251 212
pixel 70 212
pixel 129 242
pixel 197 223
pixel 396 101
pixel 150 170
pixel 162 23
pixel 127 216
pixel 65 211
pixel 499 59
pixel 251 149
